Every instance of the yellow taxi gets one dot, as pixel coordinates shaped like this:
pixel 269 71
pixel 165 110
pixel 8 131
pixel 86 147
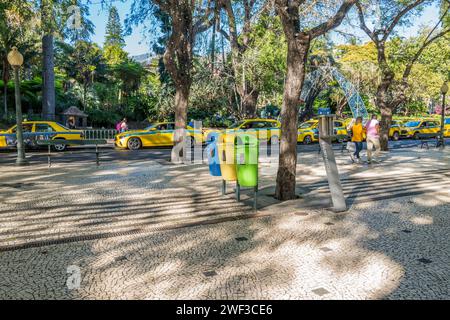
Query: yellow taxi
pixel 308 131
pixel 268 129
pixel 447 127
pixel 157 135
pixel 413 128
pixel 395 129
pixel 34 130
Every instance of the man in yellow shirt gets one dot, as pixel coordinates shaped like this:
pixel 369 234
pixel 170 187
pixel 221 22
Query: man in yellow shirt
pixel 357 138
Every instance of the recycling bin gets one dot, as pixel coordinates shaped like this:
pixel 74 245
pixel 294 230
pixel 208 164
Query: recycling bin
pixel 247 153
pixel 212 153
pixel 227 160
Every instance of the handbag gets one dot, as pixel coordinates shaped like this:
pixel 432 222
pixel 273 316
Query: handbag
pixel 351 146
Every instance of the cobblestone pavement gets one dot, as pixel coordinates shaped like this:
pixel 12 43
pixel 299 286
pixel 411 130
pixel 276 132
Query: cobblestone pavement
pixel 152 231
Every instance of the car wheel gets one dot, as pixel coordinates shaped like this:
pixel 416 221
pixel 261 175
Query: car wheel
pixel 307 140
pixel 59 147
pixel 134 143
pixel 274 140
pixel 396 136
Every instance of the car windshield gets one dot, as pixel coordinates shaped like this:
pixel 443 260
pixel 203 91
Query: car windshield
pixel 59 124
pixel 307 124
pixel 236 125
pixel 412 124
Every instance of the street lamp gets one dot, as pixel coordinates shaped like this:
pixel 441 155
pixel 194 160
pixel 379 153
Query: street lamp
pixel 444 90
pixel 15 59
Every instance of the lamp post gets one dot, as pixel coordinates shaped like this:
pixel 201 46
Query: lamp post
pixel 444 90
pixel 15 59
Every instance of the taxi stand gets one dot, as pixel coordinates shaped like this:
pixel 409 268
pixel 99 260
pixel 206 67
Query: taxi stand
pixel 235 162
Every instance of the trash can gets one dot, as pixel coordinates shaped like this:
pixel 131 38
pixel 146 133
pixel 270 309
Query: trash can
pixel 212 153
pixel 247 153
pixel 227 159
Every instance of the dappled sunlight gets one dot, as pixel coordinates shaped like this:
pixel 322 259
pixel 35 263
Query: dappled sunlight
pixel 163 231
pixel 422 220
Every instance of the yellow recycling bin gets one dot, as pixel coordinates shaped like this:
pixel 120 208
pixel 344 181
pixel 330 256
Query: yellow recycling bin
pixel 227 160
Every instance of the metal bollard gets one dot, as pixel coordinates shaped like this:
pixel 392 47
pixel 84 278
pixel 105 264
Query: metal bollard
pixel 49 156
pixel 97 155
pixel 224 187
pixel 238 191
pixel 255 198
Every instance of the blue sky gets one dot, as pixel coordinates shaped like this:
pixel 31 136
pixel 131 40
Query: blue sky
pixel 138 43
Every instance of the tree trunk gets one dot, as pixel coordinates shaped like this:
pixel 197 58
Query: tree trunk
pixel 249 99
pixel 383 99
pixel 385 125
pixel 5 100
pixel 5 78
pixel 48 79
pixel 178 153
pixel 296 61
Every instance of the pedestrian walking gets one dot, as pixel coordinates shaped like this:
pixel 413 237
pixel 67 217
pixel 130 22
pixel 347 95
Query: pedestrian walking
pixel 357 138
pixel 373 138
pixel 119 126
pixel 124 125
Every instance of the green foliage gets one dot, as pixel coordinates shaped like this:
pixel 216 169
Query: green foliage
pixel 114 54
pixel 264 63
pixel 103 118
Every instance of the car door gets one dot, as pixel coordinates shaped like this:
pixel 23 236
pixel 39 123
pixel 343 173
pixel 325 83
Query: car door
pixel 42 131
pixel 423 127
pixel 434 127
pixel 272 129
pixel 160 135
pixel 27 130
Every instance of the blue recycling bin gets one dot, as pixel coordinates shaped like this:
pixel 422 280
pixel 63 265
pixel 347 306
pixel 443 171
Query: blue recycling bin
pixel 212 153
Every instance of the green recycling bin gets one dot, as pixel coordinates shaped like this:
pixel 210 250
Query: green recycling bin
pixel 247 154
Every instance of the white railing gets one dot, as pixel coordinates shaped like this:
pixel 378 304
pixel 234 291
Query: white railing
pixel 107 134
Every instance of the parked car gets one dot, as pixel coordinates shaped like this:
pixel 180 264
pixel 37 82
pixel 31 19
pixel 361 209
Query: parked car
pixel 447 127
pixel 413 128
pixel 308 132
pixel 268 129
pixel 34 130
pixel 395 129
pixel 156 135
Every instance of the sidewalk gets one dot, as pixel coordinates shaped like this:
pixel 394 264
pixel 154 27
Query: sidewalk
pixel 148 230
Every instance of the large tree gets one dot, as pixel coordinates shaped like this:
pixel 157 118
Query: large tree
pixel 242 13
pixel 187 18
pixel 298 38
pixel 48 64
pixel 15 16
pixel 389 14
pixel 66 18
pixel 114 32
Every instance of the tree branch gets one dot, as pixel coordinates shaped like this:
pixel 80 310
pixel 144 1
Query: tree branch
pixel 334 21
pixel 363 24
pixel 400 15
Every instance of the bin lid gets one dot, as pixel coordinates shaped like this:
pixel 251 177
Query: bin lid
pixel 212 137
